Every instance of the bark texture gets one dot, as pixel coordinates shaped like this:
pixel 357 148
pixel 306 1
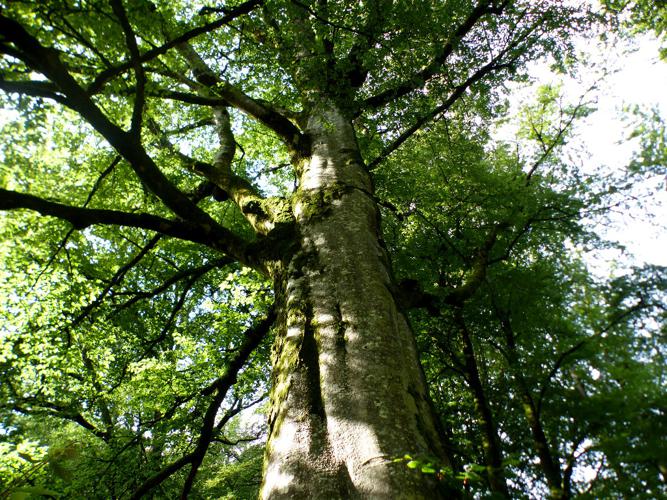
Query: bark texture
pixel 349 395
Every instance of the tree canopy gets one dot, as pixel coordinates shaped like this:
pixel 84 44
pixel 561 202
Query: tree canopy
pixel 162 178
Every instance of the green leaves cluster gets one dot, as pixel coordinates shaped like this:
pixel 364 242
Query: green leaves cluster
pixel 525 350
pixel 127 353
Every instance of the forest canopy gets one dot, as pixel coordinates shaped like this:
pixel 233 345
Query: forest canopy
pixel 277 248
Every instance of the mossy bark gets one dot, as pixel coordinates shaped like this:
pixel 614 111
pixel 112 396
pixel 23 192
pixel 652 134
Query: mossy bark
pixel 349 395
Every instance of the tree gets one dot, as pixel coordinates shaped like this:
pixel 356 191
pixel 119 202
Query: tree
pixel 218 175
pixel 641 16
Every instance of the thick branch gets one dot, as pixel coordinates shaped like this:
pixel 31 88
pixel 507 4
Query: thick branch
pixel 47 62
pixel 32 88
pixel 358 72
pixel 412 296
pixel 251 203
pixel 478 271
pixel 186 97
pixel 259 110
pixel 81 218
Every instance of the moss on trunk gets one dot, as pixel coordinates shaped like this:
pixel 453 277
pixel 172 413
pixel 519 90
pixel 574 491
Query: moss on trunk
pixel 349 395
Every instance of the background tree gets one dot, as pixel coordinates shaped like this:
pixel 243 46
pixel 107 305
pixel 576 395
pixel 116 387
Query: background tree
pixel 217 175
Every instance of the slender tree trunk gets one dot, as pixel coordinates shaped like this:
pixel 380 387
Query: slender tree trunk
pixel 548 464
pixel 348 395
pixel 548 461
pixel 490 440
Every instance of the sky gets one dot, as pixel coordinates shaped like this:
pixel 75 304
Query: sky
pixel 641 80
pixel 637 77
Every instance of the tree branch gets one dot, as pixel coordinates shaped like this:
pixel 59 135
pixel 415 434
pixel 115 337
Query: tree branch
pixel 175 278
pixel 221 386
pixel 33 88
pixel 59 411
pixel 417 80
pixel 81 218
pixel 116 279
pixel 448 103
pixel 46 61
pixel 186 97
pixel 259 110
pixel 572 350
pixel 232 14
pixel 135 56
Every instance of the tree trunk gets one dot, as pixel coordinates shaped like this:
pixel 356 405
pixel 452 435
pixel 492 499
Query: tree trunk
pixel 348 394
pixel 549 462
pixel 493 455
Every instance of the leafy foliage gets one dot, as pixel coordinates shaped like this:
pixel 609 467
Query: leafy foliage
pixel 136 320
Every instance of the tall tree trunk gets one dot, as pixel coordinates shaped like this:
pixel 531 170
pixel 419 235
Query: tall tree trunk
pixel 549 462
pixel 348 395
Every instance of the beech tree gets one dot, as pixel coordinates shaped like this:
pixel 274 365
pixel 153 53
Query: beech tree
pixel 194 196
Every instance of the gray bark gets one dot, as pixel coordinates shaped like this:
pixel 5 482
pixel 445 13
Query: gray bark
pixel 349 395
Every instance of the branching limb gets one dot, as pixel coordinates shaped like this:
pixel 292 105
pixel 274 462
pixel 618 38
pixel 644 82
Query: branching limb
pixel 166 328
pixel 186 97
pixel 417 80
pixel 81 218
pixel 135 56
pixel 478 270
pixel 377 12
pixel 260 214
pixel 576 347
pixel 46 61
pixel 33 88
pixel 62 244
pixel 414 296
pixel 259 110
pixel 230 16
pixel 220 387
pixel 197 272
pixel 458 91
pixel 33 406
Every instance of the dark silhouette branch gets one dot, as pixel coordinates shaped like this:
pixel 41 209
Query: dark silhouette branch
pixel 135 60
pixel 230 16
pixel 81 218
pixel 62 244
pixel 32 88
pixel 33 406
pixel 117 279
pixel 220 387
pixel 179 276
pixel 46 61
pixel 417 80
pixel 442 108
pixel 572 350
pixel 178 306
pixel 186 97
